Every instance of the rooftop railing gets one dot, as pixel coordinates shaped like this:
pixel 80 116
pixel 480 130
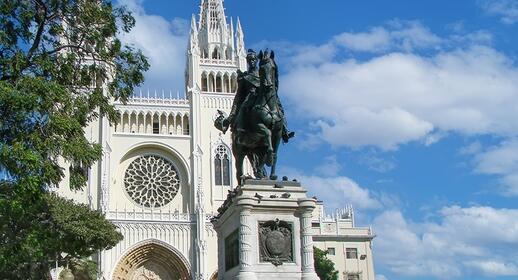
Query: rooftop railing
pixel 218 61
pixel 149 214
pixel 158 98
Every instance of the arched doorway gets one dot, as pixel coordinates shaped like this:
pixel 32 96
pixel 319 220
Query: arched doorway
pixel 152 260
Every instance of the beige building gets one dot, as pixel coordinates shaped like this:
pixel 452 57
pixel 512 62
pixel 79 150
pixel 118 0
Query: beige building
pixel 166 170
pixel 348 246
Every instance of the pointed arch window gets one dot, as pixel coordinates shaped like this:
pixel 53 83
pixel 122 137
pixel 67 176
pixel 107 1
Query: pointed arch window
pixel 204 82
pixel 228 54
pixel 222 165
pixel 216 54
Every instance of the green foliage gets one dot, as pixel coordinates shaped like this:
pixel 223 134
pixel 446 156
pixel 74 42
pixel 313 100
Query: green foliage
pixel 80 230
pixel 61 66
pixel 84 269
pixel 60 226
pixel 324 267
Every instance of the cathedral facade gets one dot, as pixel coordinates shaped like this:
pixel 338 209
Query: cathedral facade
pixel 166 170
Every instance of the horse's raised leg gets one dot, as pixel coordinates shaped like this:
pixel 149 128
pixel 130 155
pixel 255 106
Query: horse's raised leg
pixel 275 140
pixel 273 176
pixel 239 168
pixel 240 156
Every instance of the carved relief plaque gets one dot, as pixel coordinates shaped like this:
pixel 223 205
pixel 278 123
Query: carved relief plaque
pixel 275 242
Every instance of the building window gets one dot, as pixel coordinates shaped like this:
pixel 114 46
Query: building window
pixel 215 54
pixel 219 83
pixel 355 276
pixel 156 127
pixel 228 54
pixel 151 181
pixel 351 253
pixel 331 251
pixel 222 166
pixel 204 83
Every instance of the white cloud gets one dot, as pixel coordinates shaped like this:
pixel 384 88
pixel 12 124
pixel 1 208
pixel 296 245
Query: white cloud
pixel 376 163
pixel 298 54
pixel 501 160
pixel 360 126
pixel 462 241
pixel 507 10
pixel 477 37
pixel 493 268
pixel 394 97
pixel 510 182
pixel 314 54
pixel 381 277
pixel 163 42
pixel 336 191
pixel 433 138
pixel 340 191
pixel 471 149
pixel 401 35
pixel 330 167
pixel 413 86
pixel 377 39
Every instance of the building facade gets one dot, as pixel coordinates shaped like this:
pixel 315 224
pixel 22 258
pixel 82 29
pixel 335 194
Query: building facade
pixel 166 170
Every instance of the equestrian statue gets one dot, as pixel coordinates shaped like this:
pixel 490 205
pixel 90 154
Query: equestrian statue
pixel 256 120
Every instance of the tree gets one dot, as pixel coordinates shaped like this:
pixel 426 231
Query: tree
pixel 60 226
pixel 324 267
pixel 61 66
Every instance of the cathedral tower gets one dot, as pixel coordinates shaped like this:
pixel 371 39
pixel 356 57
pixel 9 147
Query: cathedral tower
pixel 215 53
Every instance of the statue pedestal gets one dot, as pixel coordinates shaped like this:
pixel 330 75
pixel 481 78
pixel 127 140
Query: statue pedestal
pixel 264 231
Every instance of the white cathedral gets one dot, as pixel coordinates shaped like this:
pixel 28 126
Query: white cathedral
pixel 166 170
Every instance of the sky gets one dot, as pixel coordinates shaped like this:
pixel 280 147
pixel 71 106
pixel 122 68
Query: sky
pixel 408 110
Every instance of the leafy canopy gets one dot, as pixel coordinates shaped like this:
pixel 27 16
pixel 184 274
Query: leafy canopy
pixel 61 66
pixel 324 267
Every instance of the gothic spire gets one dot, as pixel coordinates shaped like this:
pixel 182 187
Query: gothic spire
pixel 240 38
pixel 232 34
pixel 212 16
pixel 215 38
pixel 194 28
pixel 193 38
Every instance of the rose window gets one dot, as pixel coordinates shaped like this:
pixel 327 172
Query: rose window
pixel 152 181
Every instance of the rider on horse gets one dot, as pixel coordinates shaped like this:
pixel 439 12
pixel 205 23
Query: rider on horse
pixel 257 118
pixel 248 85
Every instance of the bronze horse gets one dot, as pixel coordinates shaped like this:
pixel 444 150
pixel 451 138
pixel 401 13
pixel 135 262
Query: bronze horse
pixel 259 127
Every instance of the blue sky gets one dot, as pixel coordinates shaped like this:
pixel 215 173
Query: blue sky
pixel 405 109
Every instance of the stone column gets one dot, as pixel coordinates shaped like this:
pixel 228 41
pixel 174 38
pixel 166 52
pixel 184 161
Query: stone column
pixel 221 256
pixel 306 239
pixel 245 244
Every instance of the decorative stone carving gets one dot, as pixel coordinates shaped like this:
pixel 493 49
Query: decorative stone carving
pixel 153 259
pixel 308 266
pixel 152 181
pixel 245 238
pixel 145 274
pixel 275 242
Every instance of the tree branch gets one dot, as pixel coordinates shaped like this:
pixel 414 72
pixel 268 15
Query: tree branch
pixel 40 19
pixel 71 46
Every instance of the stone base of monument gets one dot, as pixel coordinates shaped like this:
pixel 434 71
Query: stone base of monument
pixel 264 232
